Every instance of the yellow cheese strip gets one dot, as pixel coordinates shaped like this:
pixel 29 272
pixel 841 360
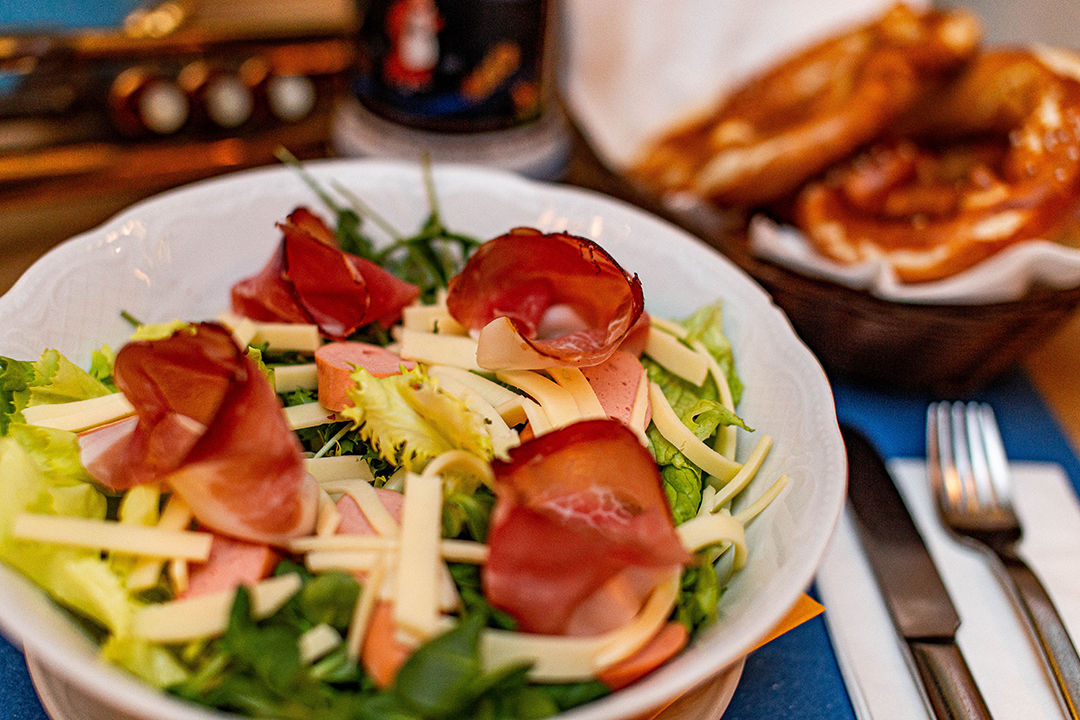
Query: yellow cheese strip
pixel 675 357
pixel 328 518
pixel 308 415
pixel 112 536
pixel 339 467
pixel 207 616
pixel 351 561
pixel 754 509
pixel 569 659
pixel 703 530
pixel 243 329
pixel 671 328
pixel 178 575
pixel 469 463
pixel 80 414
pixel 537 418
pixel 493 392
pixel 727 436
pixel 574 382
pixel 741 479
pixel 367 500
pixel 295 377
pixel 467 551
pixel 175 516
pixel 361 619
pixel 416 601
pixel 673 430
pixel 302 337
pixel 431 319
pixel 464 551
pixel 318 641
pixel 456 350
pixel 558 404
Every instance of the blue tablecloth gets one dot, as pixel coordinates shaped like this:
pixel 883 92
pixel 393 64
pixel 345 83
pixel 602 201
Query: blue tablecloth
pixel 795 677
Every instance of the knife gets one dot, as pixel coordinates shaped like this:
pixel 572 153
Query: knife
pixel 913 591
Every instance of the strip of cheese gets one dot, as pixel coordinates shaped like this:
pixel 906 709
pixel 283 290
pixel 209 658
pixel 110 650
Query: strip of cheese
pixel 207 616
pixel 675 357
pixel 431 319
pixel 318 641
pixel 754 509
pixel 350 561
pixel 368 501
pixel 557 658
pixel 175 516
pixel 243 329
pixel 558 404
pixel 574 382
pixel 726 440
pixel 339 467
pixel 746 473
pixel 639 413
pixel 361 619
pixel 493 392
pixel 302 337
pixel 308 415
pixel 673 430
pixel 295 377
pixel 80 414
pixel 177 572
pixel 456 350
pixel 464 551
pixel 416 601
pixel 703 530
pixel 671 328
pixel 468 462
pixel 536 417
pixel 328 518
pixel 138 540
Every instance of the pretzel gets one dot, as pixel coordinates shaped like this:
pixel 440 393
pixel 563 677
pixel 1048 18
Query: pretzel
pixel 813 110
pixel 989 160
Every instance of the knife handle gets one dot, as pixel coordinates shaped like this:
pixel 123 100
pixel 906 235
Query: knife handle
pixel 949 686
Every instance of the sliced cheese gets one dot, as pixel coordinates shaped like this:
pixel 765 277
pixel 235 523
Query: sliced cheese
pixel 493 392
pixel 308 415
pixel 741 479
pixel 295 377
pixel 726 439
pixel 466 461
pixel 557 658
pixel 456 350
pixel 177 572
pixel 80 414
pixel 754 509
pixel 416 603
pixel 207 616
pixel 347 541
pixel 175 516
pixel 536 417
pixel 368 501
pixel 668 351
pixel 361 619
pixel 328 518
pixel 301 337
pixel 339 467
pixel 431 319
pixel 671 328
pixel 503 437
pixel 558 404
pixel 112 536
pixel 464 551
pixel 243 329
pixel 673 430
pixel 350 561
pixel 574 382
pixel 318 641
pixel 701 531
pixel 639 412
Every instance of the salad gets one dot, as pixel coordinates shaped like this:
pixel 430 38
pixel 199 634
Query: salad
pixel 441 478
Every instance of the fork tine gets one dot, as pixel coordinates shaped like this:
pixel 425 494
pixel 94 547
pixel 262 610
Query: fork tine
pixel 997 461
pixel 939 448
pixel 967 491
pixel 983 480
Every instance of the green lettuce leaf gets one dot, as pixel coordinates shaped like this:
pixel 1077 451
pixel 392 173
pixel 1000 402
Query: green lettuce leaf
pixel 409 421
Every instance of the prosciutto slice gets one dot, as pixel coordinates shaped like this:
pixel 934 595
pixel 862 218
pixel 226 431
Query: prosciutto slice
pixel 580 532
pixel 544 300
pixel 309 279
pixel 210 426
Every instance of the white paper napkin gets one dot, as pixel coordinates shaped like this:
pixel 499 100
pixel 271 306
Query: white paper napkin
pixel 999 652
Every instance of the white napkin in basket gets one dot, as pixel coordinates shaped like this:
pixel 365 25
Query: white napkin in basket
pixel 1001 657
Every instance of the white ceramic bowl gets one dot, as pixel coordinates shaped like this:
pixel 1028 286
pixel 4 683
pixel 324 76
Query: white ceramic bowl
pixel 176 255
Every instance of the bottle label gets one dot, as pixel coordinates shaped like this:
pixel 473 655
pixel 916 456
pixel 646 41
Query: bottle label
pixel 454 65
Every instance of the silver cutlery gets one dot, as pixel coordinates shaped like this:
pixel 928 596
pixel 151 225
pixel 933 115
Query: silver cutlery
pixel 910 585
pixel 969 475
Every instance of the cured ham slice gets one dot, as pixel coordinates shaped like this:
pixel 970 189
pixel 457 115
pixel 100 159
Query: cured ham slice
pixel 309 279
pixel 210 426
pixel 544 300
pixel 574 509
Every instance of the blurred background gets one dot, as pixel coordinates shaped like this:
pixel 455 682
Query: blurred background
pixel 106 102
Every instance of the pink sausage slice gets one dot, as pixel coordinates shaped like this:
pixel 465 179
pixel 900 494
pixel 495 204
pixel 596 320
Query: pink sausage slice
pixel 231 563
pixel 336 362
pixel 615 382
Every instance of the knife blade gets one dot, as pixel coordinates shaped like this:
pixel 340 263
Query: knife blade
pixel 916 598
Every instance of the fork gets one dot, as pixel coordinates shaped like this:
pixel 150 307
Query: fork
pixel 969 474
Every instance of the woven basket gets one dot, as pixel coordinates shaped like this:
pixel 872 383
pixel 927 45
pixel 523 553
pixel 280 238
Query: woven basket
pixel 945 350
